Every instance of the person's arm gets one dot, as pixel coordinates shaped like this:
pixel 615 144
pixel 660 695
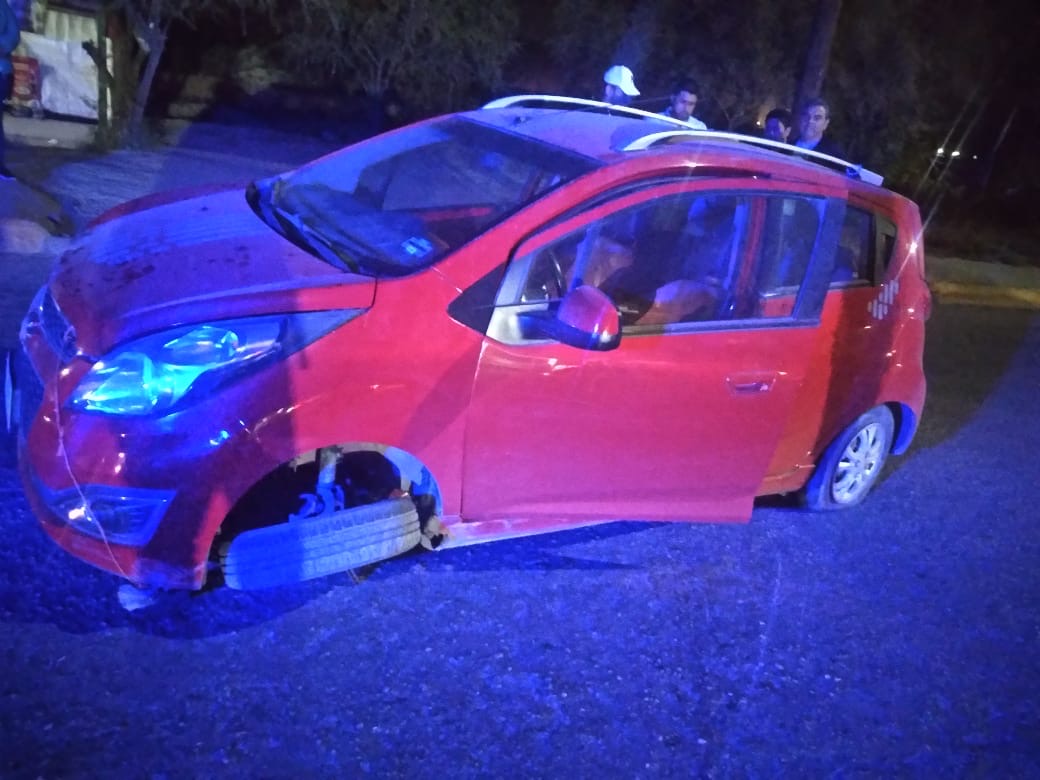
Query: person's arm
pixel 9 32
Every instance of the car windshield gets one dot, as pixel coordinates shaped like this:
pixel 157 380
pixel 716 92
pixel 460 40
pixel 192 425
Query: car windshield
pixel 400 202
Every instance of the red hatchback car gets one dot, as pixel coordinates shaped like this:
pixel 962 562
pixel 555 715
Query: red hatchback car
pixel 514 320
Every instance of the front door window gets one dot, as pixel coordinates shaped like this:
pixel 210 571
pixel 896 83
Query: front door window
pixel 704 258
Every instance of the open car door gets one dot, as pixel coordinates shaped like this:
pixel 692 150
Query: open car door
pixel 719 293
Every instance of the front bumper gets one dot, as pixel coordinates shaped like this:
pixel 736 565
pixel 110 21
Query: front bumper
pixel 130 497
pixel 130 562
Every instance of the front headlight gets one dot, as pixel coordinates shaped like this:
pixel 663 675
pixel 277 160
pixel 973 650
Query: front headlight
pixel 153 374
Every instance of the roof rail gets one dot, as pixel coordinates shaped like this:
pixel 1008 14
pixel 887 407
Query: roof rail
pixel 558 101
pixel 851 170
pixel 683 130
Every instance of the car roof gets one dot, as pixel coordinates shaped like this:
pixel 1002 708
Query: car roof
pixel 598 135
pixel 609 133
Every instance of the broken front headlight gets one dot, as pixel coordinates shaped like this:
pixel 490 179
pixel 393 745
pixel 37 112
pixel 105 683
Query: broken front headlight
pixel 153 374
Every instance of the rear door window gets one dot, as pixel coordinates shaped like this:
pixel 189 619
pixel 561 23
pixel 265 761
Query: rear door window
pixel 789 235
pixel 798 236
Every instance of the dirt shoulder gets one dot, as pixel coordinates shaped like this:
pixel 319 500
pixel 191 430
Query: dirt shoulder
pixel 60 190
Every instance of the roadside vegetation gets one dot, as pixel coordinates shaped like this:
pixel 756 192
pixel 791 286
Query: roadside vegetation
pixel 902 79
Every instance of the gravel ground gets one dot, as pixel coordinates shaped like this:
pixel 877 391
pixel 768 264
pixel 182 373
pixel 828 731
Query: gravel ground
pixel 898 639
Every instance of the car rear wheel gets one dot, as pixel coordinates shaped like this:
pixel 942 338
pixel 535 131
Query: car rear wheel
pixel 852 463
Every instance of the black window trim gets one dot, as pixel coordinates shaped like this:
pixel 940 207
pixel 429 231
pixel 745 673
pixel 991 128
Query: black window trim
pixel 883 226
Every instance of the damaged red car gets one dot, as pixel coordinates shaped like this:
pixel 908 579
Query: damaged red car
pixel 525 318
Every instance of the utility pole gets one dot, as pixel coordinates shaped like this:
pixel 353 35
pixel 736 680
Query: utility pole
pixel 991 158
pixel 825 22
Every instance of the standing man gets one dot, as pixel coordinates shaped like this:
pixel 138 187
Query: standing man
pixel 619 86
pixel 9 36
pixel 684 103
pixel 812 122
pixel 778 125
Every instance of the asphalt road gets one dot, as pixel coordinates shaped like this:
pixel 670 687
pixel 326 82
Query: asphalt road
pixel 897 639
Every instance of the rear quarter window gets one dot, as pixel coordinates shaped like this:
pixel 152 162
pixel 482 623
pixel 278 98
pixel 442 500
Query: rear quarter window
pixel 865 248
pixel 886 242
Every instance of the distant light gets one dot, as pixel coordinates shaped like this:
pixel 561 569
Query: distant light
pixel 940 150
pixel 955 153
pixel 974 157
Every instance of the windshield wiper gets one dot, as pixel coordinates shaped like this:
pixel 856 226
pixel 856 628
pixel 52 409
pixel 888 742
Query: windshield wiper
pixel 302 234
pixel 330 224
pixel 261 197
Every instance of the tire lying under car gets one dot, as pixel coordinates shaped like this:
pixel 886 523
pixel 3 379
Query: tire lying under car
pixel 330 543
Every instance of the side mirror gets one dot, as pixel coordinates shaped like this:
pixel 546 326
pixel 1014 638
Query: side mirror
pixel 586 319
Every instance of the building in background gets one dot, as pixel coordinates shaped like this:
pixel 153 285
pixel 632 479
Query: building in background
pixel 54 73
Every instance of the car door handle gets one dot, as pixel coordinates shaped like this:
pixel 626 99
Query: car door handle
pixel 745 384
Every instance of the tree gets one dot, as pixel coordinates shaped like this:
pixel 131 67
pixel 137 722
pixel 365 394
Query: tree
pixel 139 30
pixel 743 59
pixel 874 85
pixel 905 81
pixel 818 52
pixel 586 42
pixel 747 60
pixel 437 53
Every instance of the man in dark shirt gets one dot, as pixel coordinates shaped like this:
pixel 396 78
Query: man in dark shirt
pixel 813 120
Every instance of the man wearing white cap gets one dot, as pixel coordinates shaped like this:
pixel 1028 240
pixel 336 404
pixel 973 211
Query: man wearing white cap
pixel 619 86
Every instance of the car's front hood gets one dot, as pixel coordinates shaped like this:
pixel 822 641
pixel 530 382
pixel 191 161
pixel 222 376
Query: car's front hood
pixel 202 258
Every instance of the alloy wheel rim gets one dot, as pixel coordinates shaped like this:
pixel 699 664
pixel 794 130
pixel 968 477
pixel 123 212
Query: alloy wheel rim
pixel 858 466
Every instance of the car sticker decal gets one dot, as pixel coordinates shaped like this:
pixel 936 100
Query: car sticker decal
pixel 880 306
pixel 417 246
